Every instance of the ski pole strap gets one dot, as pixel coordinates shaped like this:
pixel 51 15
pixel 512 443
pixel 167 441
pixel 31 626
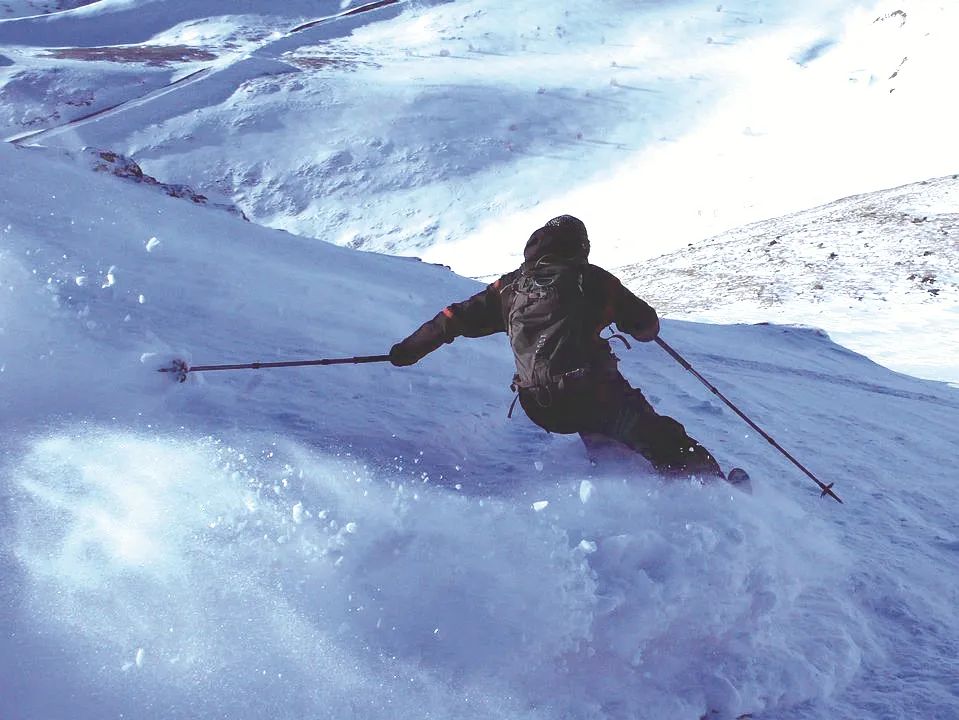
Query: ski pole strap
pixel 509 415
pixel 826 489
pixel 620 337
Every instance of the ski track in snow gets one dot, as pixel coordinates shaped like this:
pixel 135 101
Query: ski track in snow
pixel 109 111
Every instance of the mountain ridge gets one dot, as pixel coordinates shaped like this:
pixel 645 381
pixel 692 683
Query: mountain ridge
pixel 875 256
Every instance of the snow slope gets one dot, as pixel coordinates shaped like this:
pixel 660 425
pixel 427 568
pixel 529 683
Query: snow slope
pixel 27 8
pixel 879 272
pixel 660 123
pixel 374 542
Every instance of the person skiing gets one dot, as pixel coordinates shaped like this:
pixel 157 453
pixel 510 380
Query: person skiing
pixel 553 307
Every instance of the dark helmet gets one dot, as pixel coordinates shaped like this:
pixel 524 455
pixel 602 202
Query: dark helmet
pixel 563 236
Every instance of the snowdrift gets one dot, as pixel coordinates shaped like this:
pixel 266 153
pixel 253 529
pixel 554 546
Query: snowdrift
pixel 374 542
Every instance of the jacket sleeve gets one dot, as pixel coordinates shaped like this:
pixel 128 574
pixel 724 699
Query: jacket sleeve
pixel 478 316
pixel 631 314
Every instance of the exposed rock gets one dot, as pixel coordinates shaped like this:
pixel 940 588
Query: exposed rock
pixel 155 55
pixel 127 168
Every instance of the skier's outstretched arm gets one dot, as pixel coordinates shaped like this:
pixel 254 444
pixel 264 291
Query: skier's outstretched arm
pixel 478 316
pixel 633 315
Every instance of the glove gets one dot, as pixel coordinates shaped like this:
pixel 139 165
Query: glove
pixel 402 355
pixel 646 334
pixel 421 343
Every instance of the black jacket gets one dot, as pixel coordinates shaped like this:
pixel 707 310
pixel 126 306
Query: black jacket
pixel 485 314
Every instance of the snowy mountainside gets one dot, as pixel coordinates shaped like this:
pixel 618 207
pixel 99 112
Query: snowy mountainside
pixel 222 23
pixel 375 542
pixel 105 258
pixel 665 122
pixel 26 8
pixel 878 271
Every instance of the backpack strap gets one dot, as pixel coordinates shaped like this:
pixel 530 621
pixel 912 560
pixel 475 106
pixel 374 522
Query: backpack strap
pixel 553 381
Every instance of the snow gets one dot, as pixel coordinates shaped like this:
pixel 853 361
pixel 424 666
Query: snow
pixel 136 504
pixel 377 542
pixel 669 122
pixel 879 272
pixel 586 489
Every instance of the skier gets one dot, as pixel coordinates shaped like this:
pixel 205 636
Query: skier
pixel 553 308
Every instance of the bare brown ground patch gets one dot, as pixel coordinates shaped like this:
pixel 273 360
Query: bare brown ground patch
pixel 157 55
pixel 340 60
pixel 317 63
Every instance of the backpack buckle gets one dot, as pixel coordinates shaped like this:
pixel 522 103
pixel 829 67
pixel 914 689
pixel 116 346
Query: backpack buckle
pixel 572 375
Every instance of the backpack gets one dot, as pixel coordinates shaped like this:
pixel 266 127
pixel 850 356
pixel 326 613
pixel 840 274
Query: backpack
pixel 546 323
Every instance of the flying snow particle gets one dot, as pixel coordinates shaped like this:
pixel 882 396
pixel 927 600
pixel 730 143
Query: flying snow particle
pixel 540 505
pixel 538 465
pixel 152 244
pixel 142 299
pixel 139 658
pixel 80 280
pixel 298 513
pixel 587 546
pixel 585 491
pixel 110 280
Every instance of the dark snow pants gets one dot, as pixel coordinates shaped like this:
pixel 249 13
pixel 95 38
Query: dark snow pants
pixel 608 409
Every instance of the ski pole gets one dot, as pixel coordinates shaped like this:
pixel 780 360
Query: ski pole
pixel 826 489
pixel 181 369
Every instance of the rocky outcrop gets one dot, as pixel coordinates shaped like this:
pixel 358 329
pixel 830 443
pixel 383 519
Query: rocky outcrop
pixel 124 167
